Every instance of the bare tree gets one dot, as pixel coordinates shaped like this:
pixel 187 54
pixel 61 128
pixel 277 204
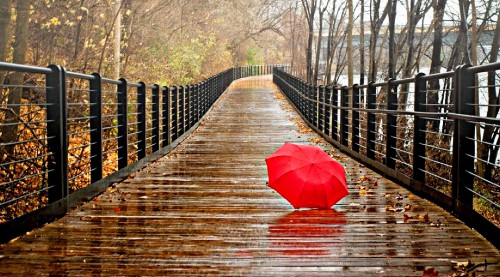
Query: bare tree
pixel 117 31
pixel 4 34
pixel 392 33
pixel 322 11
pixel 4 29
pixel 377 17
pixel 489 151
pixel 310 11
pixel 350 50
pixel 336 40
pixel 436 61
pixel 10 128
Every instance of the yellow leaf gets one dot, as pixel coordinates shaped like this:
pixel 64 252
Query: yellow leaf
pixel 55 21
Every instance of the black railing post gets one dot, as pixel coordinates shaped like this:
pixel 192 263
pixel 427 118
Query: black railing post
pixel 355 118
pixel 300 95
pixel 57 134
pixel 315 96
pixel 201 97
pixel 335 114
pixel 390 142
pixel 181 111
pixel 463 135
pixel 188 108
pixel 175 117
pixel 96 159
pixel 122 124
pixel 155 99
pixel 141 118
pixel 166 116
pixel 312 103
pixel 321 114
pixel 419 127
pixel 344 116
pixel 328 109
pixel 196 101
pixel 371 99
pixel 208 93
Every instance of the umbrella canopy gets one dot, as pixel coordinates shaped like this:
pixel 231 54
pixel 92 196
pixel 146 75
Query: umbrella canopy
pixel 306 176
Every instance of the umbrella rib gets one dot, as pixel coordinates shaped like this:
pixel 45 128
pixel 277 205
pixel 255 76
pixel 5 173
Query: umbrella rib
pixel 289 156
pixel 302 189
pixel 292 170
pixel 324 169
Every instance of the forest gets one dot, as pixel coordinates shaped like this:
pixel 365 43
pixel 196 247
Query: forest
pixel 178 41
pixel 181 42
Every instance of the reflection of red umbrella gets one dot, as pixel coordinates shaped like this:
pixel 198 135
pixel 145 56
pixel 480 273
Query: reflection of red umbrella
pixel 306 232
pixel 306 176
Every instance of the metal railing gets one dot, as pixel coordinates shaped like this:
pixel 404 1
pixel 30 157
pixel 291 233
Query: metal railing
pixel 69 136
pixel 429 133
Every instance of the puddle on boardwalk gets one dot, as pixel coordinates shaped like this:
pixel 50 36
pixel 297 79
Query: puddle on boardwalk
pixel 306 232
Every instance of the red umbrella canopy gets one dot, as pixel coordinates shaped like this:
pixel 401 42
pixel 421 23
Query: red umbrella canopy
pixel 306 176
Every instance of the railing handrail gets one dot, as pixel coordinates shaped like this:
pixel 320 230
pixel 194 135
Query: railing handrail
pixel 334 112
pixel 149 121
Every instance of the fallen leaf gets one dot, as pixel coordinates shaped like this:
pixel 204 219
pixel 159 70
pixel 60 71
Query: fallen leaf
pixel 118 210
pixel 393 209
pixel 408 207
pixel 411 196
pixel 362 192
pixel 407 217
pixel 430 272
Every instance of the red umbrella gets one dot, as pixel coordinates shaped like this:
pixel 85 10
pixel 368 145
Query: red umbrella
pixel 306 176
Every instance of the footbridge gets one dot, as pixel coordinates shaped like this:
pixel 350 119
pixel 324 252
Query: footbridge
pixel 111 177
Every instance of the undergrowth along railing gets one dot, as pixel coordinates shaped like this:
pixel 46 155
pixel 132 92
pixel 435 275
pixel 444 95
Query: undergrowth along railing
pixel 66 136
pixel 426 132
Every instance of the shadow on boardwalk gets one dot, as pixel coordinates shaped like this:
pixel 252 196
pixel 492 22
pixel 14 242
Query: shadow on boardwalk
pixel 205 209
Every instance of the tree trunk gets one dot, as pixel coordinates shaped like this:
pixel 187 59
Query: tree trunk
pixel 350 59
pixel 117 30
pixel 78 33
pixel 490 133
pixel 331 25
pixel 4 29
pixel 376 23
pixel 392 26
pixel 362 45
pixel 4 34
pixel 436 62
pixel 464 47
pixel 310 10
pixel 9 132
pixel 318 47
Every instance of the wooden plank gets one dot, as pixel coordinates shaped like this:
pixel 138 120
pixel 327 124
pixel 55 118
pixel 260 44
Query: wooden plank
pixel 205 209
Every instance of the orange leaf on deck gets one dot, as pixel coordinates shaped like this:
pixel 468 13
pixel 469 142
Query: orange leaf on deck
pixel 430 272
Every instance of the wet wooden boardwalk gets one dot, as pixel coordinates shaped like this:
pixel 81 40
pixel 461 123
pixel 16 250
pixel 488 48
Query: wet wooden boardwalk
pixel 205 209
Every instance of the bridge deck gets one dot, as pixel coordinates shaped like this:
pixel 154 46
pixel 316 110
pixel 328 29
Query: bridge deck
pixel 206 209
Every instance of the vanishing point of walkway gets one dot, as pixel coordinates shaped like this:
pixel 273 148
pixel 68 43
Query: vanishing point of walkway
pixel 205 209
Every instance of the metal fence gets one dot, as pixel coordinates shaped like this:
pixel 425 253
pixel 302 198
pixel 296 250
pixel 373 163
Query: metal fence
pixel 437 134
pixel 66 136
